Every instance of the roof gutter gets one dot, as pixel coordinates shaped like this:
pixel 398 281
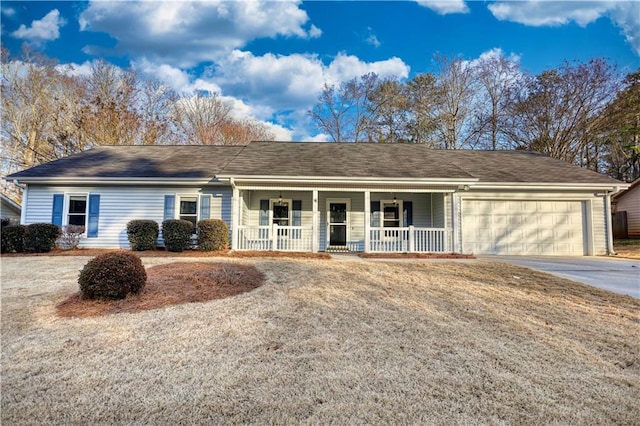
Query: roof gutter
pixel 115 181
pixel 551 185
pixel 343 180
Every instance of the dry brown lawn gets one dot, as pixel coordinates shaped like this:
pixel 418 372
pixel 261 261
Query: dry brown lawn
pixel 628 248
pixel 325 342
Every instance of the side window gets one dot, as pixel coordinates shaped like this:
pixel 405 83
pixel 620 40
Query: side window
pixel 189 209
pixel 77 211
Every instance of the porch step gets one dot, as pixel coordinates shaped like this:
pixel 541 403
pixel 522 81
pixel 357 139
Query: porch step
pixel 337 249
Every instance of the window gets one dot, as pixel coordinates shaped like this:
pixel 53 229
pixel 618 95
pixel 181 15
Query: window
pixel 281 212
pixel 391 214
pixel 77 213
pixel 189 209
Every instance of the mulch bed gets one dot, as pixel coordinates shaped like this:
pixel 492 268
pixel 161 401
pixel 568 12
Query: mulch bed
pixel 172 284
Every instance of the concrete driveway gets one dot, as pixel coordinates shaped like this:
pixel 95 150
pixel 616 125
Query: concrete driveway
pixel 613 274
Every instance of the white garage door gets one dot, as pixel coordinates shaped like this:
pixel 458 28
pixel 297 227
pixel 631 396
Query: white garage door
pixel 523 227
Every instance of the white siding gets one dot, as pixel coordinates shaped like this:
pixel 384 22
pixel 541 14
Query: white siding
pixel 119 205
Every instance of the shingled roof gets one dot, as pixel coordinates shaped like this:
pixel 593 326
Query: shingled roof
pixel 315 160
pixel 178 161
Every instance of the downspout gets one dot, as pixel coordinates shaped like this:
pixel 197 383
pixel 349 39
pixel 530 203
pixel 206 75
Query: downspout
pixel 609 220
pixel 23 209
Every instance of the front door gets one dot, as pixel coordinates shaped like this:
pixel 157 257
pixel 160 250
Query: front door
pixel 337 223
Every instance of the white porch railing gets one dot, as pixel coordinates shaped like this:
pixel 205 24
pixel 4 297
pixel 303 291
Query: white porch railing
pixel 410 239
pixel 281 238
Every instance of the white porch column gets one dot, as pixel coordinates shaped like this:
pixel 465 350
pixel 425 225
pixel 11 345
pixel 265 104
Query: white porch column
pixel 235 216
pixel 367 221
pixel 315 221
pixel 454 224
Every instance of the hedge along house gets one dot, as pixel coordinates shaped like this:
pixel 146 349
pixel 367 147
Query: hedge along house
pixel 333 197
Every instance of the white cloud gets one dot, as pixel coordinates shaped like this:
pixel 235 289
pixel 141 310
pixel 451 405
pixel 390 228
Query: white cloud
pixel 188 33
pixel 7 11
pixel 444 7
pixel 372 39
pixel 270 88
pixel 550 13
pixel 625 14
pixel 45 29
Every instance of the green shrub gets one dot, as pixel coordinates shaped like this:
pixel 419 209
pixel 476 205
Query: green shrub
pixel 213 234
pixel 4 221
pixel 112 276
pixel 40 237
pixel 12 239
pixel 142 234
pixel 177 234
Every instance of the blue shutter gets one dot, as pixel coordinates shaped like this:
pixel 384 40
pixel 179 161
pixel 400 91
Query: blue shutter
pixel 169 207
pixel 375 214
pixel 408 213
pixel 205 207
pixel 264 212
pixel 94 214
pixel 56 211
pixel 296 218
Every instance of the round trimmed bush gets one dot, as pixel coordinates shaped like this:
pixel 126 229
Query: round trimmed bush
pixel 213 234
pixel 40 237
pixel 176 234
pixel 12 239
pixel 112 276
pixel 142 234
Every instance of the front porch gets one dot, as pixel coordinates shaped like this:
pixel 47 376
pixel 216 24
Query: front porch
pixel 293 219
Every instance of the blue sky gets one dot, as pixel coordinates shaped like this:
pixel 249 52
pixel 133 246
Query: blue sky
pixel 270 59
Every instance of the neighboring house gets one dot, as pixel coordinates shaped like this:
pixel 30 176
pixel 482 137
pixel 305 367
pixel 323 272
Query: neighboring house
pixel 629 202
pixel 9 209
pixel 333 197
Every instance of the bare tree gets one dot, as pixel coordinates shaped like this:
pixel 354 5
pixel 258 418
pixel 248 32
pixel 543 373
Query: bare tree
pixel 344 112
pixel 456 90
pixel 559 112
pixel 40 110
pixel 156 102
pixel 200 118
pixel 498 76
pixel 111 114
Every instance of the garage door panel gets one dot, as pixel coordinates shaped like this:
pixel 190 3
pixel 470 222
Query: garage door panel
pixel 523 227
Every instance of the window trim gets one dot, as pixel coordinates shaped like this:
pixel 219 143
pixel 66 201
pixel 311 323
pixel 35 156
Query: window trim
pixel 273 201
pixel 67 205
pixel 400 213
pixel 178 197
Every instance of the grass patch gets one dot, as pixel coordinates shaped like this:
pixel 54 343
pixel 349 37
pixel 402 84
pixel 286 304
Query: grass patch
pixel 172 284
pixel 326 342
pixel 627 248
